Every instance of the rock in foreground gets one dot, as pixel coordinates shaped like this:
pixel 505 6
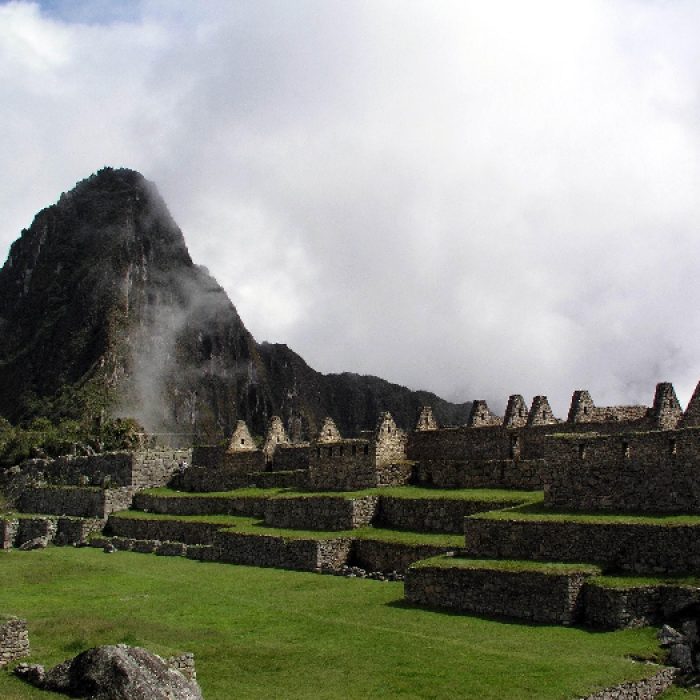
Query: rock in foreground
pixel 114 673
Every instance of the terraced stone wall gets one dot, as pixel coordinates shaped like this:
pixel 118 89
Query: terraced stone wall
pixel 375 555
pixel 320 512
pixel 630 472
pixel 640 548
pixel 85 502
pixel 430 514
pixel 278 552
pixel 526 595
pixel 14 640
pixel 634 606
pixel 189 532
pixel 250 506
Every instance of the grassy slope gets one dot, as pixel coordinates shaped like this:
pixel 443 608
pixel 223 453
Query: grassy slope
pixel 280 634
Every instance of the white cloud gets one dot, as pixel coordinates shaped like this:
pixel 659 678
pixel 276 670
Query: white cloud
pixel 473 198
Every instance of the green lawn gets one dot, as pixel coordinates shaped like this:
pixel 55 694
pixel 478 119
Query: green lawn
pixel 263 633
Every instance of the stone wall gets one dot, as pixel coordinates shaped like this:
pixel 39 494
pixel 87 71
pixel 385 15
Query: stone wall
pixel 189 532
pixel 614 608
pixel 71 530
pixel 14 640
pixel 295 479
pixel 431 514
pixel 140 469
pixel 342 465
pixel 84 502
pixel 38 528
pixel 640 548
pixel 657 471
pixel 155 467
pixel 282 553
pixel 291 457
pixel 522 474
pixel 530 595
pixel 320 512
pixel 395 473
pixel 8 532
pixel 201 479
pixel 251 506
pixel 645 689
pixel 216 457
pixel 376 555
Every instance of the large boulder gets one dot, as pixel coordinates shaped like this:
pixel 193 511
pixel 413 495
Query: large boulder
pixel 114 673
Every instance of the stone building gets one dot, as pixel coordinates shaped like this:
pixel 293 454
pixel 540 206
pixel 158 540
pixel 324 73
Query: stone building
pixel 378 459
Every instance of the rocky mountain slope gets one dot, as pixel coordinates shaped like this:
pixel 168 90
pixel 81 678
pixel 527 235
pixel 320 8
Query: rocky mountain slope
pixel 102 311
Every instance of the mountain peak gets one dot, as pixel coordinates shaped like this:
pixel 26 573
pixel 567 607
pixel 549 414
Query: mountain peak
pixel 103 311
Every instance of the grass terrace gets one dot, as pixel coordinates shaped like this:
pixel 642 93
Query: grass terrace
pixel 555 568
pixel 259 633
pixel 535 511
pixel 254 526
pixel 495 496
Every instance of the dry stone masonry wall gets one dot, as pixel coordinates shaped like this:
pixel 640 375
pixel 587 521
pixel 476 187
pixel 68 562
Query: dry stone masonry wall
pixel 320 512
pixel 14 640
pixel 629 472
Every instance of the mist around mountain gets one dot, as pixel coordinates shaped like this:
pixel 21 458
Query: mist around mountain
pixel 103 313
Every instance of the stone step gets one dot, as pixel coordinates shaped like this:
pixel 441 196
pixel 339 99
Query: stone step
pixel 653 546
pixel 535 592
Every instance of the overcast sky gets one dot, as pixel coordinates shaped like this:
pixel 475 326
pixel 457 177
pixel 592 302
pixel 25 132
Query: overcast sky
pixel 474 198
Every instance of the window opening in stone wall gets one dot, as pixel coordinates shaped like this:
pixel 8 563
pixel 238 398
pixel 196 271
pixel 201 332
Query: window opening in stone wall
pixel 341 450
pixel 585 410
pixel 483 416
pixel 318 451
pixel 330 451
pixel 544 413
pixel 366 449
pixel 672 447
pixel 625 449
pixel 354 450
pixel 582 451
pixel 514 447
pixel 242 441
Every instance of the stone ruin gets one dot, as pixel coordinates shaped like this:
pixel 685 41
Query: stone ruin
pixel 611 459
